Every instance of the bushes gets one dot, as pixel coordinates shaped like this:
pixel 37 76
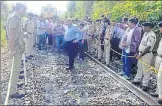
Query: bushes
pixel 6 9
pixel 115 10
pixel 3 36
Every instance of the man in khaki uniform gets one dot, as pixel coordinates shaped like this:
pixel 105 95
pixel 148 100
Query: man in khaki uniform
pixel 16 47
pixel 90 33
pixel 100 29
pixel 107 39
pixel 95 41
pixel 93 38
pixel 100 38
pixel 29 28
pixel 35 30
pixel 158 65
pixel 146 55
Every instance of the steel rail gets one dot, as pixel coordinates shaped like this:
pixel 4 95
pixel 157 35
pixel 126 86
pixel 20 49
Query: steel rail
pixel 137 91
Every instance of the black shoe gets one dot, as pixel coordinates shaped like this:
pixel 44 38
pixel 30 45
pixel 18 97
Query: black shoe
pixel 153 94
pixel 17 95
pixel 103 62
pixel 21 77
pixel 160 101
pixel 31 56
pixel 28 57
pixel 20 85
pixel 69 68
pixel 107 65
pixel 23 61
pixel 21 72
pixel 145 88
pixel 99 60
pixel 136 83
pixel 95 56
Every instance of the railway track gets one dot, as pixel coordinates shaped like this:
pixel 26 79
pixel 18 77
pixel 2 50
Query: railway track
pixel 137 91
pixel 48 83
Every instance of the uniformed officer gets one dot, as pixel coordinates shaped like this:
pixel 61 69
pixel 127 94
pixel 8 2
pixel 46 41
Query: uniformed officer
pixel 90 33
pixel 29 28
pixel 146 55
pixel 107 39
pixel 114 43
pixel 93 38
pixel 35 41
pixel 100 30
pixel 158 65
pixel 16 47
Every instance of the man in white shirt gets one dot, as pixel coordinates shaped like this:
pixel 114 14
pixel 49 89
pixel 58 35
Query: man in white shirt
pixel 129 44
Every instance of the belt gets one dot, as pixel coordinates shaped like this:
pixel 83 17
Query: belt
pixel 147 52
pixel 29 33
pixel 71 40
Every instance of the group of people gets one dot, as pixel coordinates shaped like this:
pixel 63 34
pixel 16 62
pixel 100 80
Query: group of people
pixel 103 38
pixel 131 42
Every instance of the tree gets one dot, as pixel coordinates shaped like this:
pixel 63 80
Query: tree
pixel 115 10
pixel 71 8
pixel 6 9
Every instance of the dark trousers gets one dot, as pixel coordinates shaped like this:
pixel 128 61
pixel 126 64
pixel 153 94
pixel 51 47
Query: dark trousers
pixel 50 39
pixel 115 46
pixel 41 42
pixel 85 45
pixel 128 62
pixel 102 46
pixel 81 49
pixel 71 50
pixel 59 40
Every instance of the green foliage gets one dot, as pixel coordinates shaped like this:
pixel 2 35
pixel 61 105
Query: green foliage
pixel 144 10
pixel 6 9
pixel 115 10
pixel 3 36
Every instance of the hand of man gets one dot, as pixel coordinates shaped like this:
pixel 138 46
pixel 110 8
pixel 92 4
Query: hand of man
pixel 75 41
pixel 82 41
pixel 138 57
pixel 124 44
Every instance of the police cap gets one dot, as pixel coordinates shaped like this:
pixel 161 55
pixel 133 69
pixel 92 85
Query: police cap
pixel 81 24
pixel 89 21
pixel 107 20
pixel 160 24
pixel 149 24
pixel 98 20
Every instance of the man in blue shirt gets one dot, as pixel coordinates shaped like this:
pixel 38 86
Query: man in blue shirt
pixel 41 32
pixel 82 42
pixel 71 37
